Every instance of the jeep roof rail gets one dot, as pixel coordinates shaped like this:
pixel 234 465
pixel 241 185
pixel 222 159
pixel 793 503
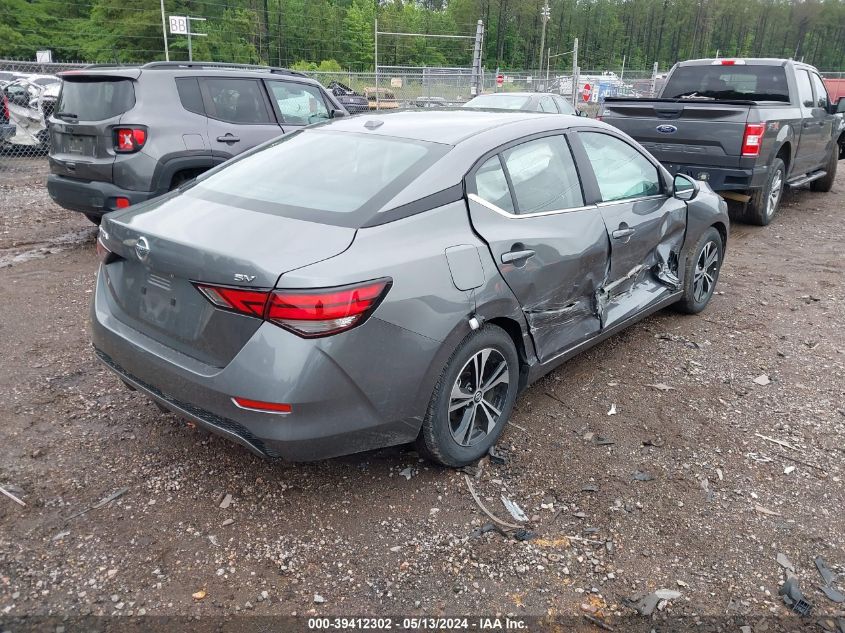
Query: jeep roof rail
pixel 220 66
pixel 108 65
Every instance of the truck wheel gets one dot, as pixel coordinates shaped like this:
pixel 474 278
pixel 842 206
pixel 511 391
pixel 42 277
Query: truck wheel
pixel 96 219
pixel 764 202
pixel 825 183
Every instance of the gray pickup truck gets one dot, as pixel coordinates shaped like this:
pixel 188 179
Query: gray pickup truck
pixel 749 127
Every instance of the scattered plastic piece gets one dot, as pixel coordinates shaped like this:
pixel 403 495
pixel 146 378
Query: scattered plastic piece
pixel 824 571
pixel 642 476
pixel 612 410
pixel 512 507
pixel 784 562
pixel 793 597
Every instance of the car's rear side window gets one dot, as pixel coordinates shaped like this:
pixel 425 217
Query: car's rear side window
pixel 190 95
pixel 236 100
pixel 95 98
pixel 543 175
pixel 492 185
pixel 340 178
pixel 743 82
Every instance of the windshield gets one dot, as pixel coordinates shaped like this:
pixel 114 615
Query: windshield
pixel 501 101
pixel 740 82
pixel 340 178
pixel 95 100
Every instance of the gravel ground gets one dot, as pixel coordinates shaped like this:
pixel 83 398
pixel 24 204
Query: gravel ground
pixel 683 488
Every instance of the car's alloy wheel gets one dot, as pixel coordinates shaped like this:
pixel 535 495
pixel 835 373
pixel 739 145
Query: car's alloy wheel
pixel 478 396
pixel 775 191
pixel 472 400
pixel 706 269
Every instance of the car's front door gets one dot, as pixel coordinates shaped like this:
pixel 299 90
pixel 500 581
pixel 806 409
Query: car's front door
pixel 645 225
pixel 551 249
pixel 810 142
pixel 239 115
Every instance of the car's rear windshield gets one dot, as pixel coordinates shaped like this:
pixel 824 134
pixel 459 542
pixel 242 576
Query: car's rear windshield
pixel 502 101
pixel 738 82
pixel 95 99
pixel 340 178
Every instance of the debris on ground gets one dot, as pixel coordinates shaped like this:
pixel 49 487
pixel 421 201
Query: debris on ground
pixel 318 599
pixel 612 410
pixel 199 595
pixel 661 387
pixel 102 502
pixel 776 441
pixel 597 622
pixel 764 510
pixel 514 509
pixel 408 472
pixel 762 380
pixel 656 442
pixel 12 497
pixel 497 456
pixel 484 508
pixel 226 501
pixel 639 475
pixel 793 597
pixel 784 562
pixel 828 577
pixel 646 605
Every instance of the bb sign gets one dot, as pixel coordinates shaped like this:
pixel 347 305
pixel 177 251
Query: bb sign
pixel 178 25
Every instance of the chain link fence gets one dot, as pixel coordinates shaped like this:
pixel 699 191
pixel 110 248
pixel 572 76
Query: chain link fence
pixel 28 93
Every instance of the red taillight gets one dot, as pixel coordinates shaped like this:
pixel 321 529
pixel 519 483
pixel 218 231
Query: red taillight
pixel 752 139
pixel 259 405
pixel 129 139
pixel 121 202
pixel 245 301
pixel 309 313
pixel 312 313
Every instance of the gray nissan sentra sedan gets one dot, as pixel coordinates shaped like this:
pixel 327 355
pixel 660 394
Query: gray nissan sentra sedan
pixel 397 277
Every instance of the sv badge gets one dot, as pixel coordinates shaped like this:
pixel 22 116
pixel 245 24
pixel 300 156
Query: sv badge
pixel 242 277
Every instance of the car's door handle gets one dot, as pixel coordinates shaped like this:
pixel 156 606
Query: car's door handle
pixel 228 138
pixel 622 233
pixel 516 256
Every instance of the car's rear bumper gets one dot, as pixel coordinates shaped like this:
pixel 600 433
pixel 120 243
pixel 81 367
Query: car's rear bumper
pixel 723 178
pixel 90 196
pixel 341 401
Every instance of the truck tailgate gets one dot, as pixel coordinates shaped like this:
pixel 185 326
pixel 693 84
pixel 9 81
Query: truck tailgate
pixel 685 132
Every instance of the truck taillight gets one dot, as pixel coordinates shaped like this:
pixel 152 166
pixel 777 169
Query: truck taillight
pixel 752 139
pixel 129 139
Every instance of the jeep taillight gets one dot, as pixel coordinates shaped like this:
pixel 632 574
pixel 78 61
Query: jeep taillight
pixel 752 139
pixel 129 139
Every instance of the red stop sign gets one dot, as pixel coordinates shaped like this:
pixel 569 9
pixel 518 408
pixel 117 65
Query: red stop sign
pixel 586 92
pixel 500 79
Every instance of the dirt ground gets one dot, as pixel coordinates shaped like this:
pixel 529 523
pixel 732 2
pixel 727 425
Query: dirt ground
pixel 696 484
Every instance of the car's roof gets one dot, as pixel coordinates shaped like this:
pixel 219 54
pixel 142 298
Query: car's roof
pixel 449 126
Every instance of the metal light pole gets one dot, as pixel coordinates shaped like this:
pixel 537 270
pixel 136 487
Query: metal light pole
pixel 575 72
pixel 545 14
pixel 164 33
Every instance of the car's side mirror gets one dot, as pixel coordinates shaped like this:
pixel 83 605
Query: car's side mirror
pixel 839 108
pixel 684 188
pixel 336 114
pixel 582 113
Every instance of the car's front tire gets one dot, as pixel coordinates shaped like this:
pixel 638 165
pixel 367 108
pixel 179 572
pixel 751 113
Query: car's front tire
pixel 825 183
pixel 702 272
pixel 472 400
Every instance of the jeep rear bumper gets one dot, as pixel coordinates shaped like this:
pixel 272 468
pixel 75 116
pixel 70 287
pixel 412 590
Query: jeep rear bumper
pixel 90 196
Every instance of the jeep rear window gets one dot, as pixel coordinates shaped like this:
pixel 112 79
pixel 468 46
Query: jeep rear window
pixel 94 98
pixel 340 178
pixel 738 82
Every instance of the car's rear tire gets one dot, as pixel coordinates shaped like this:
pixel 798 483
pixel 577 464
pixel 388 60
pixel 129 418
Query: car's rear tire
pixel 825 183
pixel 96 219
pixel 763 205
pixel 702 272
pixel 480 408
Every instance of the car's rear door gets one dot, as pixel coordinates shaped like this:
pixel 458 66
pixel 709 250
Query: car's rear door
pixel 297 104
pixel 239 115
pixel 810 142
pixel 822 118
pixel 645 224
pixel 551 249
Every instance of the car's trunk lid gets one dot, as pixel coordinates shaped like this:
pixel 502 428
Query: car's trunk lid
pixel 168 245
pixel 82 125
pixel 683 131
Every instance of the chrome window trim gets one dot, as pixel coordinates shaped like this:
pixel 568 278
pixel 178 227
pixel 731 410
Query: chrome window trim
pixel 476 198
pixel 608 203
